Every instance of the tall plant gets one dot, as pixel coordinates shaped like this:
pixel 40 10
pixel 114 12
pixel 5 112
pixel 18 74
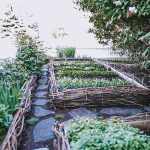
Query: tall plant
pixel 123 22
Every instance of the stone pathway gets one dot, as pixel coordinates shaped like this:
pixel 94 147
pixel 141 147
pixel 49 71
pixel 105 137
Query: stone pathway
pixel 39 135
pixel 41 132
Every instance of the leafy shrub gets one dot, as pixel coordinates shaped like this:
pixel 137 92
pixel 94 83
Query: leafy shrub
pixel 60 52
pixel 5 118
pixel 31 59
pixel 9 96
pixel 85 133
pixel 68 83
pixel 65 52
pixel 124 22
pixel 69 52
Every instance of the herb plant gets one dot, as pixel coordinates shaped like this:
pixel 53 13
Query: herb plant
pixel 91 134
pixel 68 83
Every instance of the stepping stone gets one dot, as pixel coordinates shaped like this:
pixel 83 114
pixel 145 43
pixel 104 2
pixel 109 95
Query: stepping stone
pixel 41 112
pixel 41 102
pixel 41 94
pixel 119 111
pixel 43 81
pixel 81 112
pixel 42 87
pixel 41 149
pixel 43 130
pixel 147 108
pixel 45 66
pixel 44 73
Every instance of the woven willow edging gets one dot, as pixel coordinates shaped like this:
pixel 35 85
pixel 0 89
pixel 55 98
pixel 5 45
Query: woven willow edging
pixel 16 127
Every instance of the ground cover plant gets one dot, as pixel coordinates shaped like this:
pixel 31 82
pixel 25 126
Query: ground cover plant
pixel 79 74
pixel 85 133
pixel 86 73
pixel 69 83
pixel 81 64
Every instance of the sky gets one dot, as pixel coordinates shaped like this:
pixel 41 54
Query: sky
pixel 51 15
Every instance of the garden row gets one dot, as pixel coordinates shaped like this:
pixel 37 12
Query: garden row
pixel 80 74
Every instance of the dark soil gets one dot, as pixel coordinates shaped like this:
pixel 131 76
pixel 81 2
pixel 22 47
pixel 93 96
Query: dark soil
pixel 134 71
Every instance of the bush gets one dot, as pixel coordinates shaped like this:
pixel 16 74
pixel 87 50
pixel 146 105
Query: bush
pixel 60 52
pixel 31 59
pixel 5 118
pixel 70 52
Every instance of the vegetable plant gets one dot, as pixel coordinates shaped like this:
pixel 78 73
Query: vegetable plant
pixel 68 83
pixel 82 73
pixel 91 134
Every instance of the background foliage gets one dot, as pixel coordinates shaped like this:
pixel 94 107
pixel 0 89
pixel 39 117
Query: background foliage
pixel 124 22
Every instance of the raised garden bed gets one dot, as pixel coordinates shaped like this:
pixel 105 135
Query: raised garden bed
pixel 85 133
pixel 79 74
pixel 93 97
pixel 134 71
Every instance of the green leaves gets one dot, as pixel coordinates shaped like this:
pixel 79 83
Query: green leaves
pixel 85 133
pixel 120 21
pixel 68 83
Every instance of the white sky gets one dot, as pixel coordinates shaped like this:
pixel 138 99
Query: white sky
pixel 51 14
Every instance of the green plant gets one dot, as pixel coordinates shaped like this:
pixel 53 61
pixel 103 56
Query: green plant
pixel 68 83
pixel 85 133
pixel 124 22
pixel 31 59
pixel 10 95
pixel 81 73
pixel 69 52
pixel 32 121
pixel 60 52
pixel 80 64
pixel 59 116
pixel 5 118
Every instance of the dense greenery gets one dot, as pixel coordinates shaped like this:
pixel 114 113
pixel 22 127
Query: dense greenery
pixel 13 74
pixel 80 64
pixel 124 22
pixel 68 83
pixel 86 73
pixel 68 52
pixel 91 134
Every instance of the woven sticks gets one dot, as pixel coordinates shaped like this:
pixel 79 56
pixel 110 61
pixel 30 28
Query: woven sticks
pixel 15 130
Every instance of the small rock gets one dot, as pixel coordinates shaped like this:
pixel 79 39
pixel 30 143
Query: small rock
pixel 119 111
pixel 41 102
pixel 81 112
pixel 147 108
pixel 43 130
pixel 41 94
pixel 42 87
pixel 41 112
pixel 41 149
pixel 43 81
pixel 45 66
pixel 44 73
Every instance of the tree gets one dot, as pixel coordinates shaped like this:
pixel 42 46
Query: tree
pixel 125 22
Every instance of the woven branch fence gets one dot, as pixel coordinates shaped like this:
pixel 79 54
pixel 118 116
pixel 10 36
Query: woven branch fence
pixel 53 85
pixel 12 138
pixel 102 97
